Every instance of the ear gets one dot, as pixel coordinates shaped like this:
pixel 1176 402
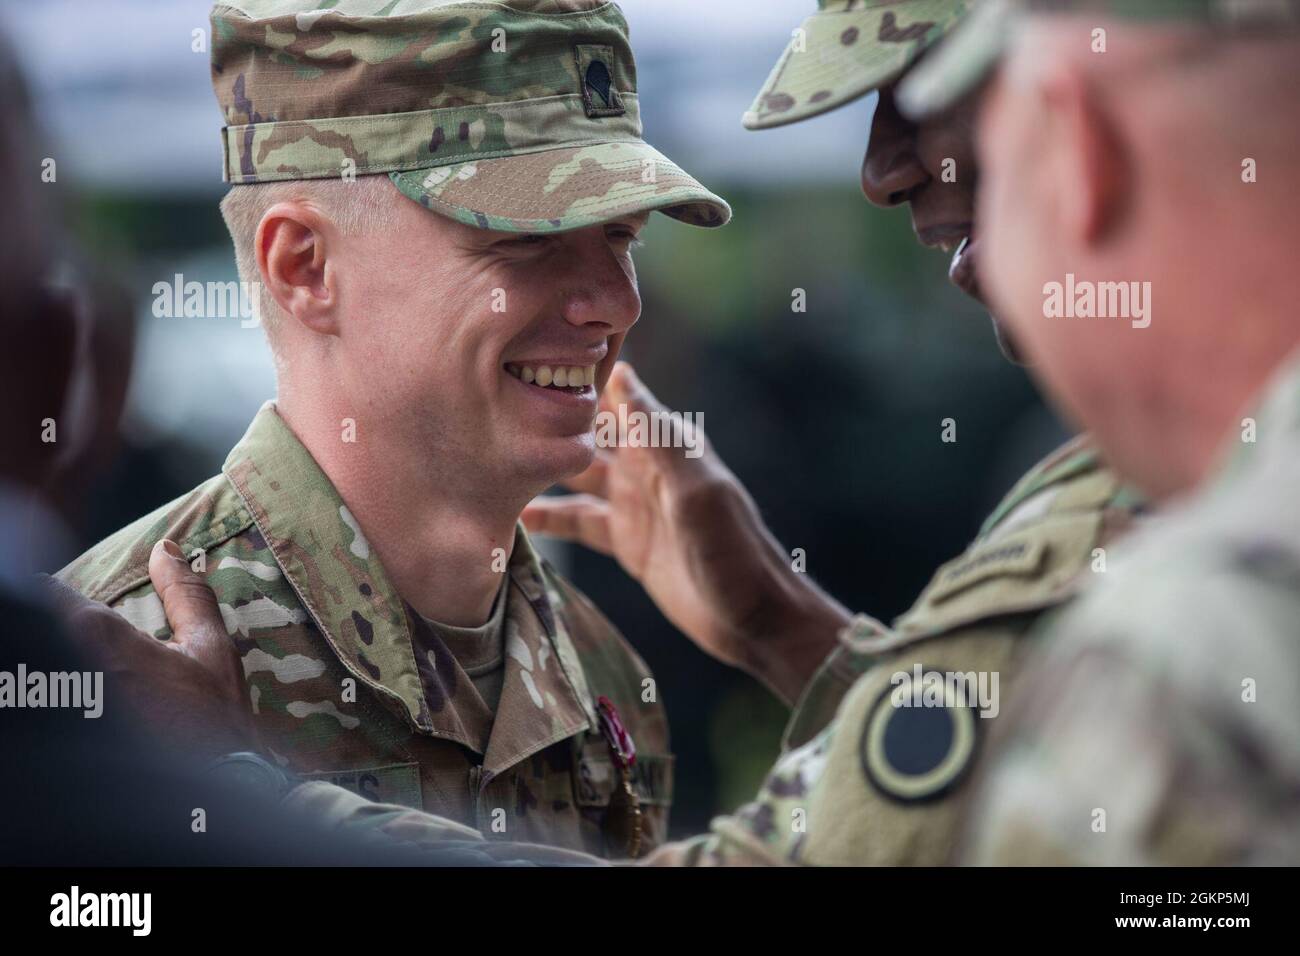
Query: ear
pixel 1089 160
pixel 293 246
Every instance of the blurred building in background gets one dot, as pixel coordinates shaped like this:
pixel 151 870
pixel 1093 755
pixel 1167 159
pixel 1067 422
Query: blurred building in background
pixel 832 416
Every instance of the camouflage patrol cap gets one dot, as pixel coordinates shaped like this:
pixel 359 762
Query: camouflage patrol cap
pixel 963 61
pixel 515 115
pixel 845 50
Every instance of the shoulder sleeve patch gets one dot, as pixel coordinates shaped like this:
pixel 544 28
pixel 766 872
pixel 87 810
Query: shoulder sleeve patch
pixel 1033 569
pixel 998 558
pixel 918 740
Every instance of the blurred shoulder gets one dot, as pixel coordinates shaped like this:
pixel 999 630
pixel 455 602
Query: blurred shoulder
pixel 1072 479
pixel 1167 697
pixel 1212 578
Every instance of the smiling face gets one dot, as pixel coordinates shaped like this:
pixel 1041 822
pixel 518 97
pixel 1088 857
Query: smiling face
pixel 486 350
pixel 932 167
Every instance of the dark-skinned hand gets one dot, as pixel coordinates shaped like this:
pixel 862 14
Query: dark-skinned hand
pixel 189 690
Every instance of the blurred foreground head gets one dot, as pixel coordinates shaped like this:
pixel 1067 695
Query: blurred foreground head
pixel 37 325
pixel 1139 208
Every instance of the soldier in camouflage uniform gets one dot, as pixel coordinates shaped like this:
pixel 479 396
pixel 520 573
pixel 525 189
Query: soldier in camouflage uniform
pixel 1159 724
pixel 520 118
pixel 862 779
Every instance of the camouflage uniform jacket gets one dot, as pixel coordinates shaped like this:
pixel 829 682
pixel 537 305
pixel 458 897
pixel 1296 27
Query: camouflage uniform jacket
pixel 341 690
pixel 1161 716
pixel 862 781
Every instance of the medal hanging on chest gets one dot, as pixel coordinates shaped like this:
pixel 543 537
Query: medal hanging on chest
pixel 624 823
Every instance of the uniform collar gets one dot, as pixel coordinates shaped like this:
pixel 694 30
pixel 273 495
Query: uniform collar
pixel 544 692
pixel 340 582
pixel 545 697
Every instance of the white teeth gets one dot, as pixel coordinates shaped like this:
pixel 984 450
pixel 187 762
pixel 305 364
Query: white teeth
pixel 562 376
pixel 958 256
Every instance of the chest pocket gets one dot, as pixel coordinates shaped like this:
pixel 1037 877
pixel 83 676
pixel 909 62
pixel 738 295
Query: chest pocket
pixel 598 778
pixel 1028 570
pixel 597 784
pixel 396 783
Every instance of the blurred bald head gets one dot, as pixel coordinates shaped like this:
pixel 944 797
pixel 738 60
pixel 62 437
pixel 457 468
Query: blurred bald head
pixel 25 242
pixel 38 326
pixel 1157 177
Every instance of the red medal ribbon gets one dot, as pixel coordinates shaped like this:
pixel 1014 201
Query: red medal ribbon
pixel 611 725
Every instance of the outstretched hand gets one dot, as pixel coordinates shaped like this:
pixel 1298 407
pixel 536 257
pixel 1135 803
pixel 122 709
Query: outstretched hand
pixel 189 689
pixel 689 532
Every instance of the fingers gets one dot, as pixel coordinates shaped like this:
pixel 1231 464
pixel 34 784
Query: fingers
pixel 96 626
pixel 626 388
pixel 191 607
pixel 115 645
pixel 580 518
pixel 593 481
pixel 64 599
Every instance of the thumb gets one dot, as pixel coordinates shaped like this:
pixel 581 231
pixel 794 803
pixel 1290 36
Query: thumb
pixel 626 388
pixel 190 605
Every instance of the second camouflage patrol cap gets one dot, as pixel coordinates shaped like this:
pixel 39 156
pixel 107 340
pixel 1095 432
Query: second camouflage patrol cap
pixel 515 115
pixel 967 56
pixel 845 50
